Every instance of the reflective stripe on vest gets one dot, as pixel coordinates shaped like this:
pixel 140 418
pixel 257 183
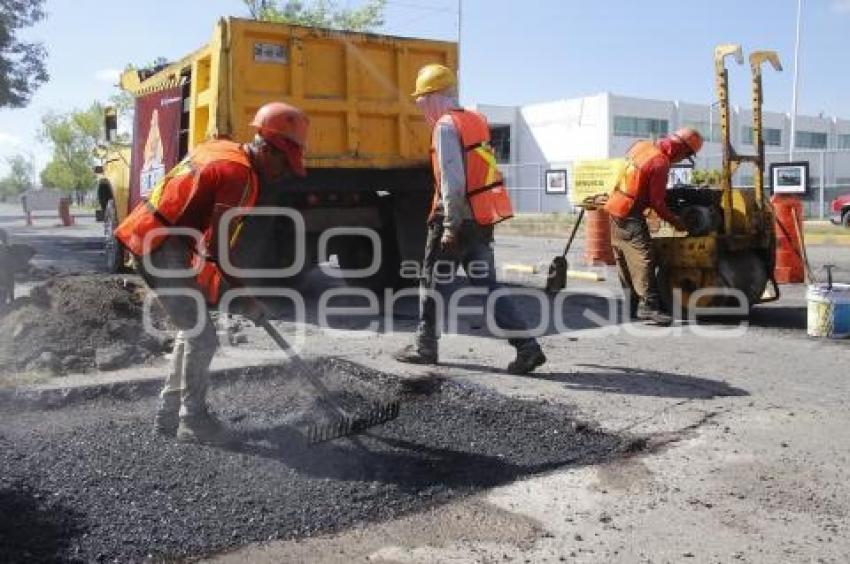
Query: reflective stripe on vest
pixel 174 193
pixel 485 187
pixel 622 200
pixel 168 201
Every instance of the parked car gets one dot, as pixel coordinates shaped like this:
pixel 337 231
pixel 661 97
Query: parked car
pixel 841 210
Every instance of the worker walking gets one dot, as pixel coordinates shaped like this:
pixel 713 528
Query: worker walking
pixel 469 198
pixel 644 187
pixel 217 175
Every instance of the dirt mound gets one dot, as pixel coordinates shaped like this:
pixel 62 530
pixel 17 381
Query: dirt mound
pixel 77 324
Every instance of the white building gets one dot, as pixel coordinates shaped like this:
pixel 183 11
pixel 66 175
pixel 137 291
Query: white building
pixel 531 139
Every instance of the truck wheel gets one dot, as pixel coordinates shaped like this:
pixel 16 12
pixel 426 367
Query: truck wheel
pixel 112 247
pixel 357 253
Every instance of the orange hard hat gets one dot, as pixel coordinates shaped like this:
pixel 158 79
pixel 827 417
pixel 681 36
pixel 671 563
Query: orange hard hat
pixel 689 137
pixel 276 122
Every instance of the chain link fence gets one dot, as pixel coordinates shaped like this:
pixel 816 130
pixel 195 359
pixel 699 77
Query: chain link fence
pixel 829 177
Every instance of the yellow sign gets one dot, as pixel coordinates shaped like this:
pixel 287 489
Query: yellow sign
pixel 593 178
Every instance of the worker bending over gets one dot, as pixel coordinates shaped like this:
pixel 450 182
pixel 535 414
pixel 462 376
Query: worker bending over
pixel 469 198
pixel 644 188
pixel 217 175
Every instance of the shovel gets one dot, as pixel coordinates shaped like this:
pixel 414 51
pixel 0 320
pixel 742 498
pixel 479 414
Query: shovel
pixel 557 279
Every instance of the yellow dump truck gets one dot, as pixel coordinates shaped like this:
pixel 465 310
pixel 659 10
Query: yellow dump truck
pixel 368 159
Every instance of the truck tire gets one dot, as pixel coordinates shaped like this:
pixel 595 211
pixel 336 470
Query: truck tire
pixel 113 251
pixel 357 253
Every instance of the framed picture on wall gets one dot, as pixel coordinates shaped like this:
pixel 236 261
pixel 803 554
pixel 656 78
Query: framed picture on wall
pixel 790 178
pixel 556 181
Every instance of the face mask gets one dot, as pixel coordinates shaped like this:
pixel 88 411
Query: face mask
pixel 433 106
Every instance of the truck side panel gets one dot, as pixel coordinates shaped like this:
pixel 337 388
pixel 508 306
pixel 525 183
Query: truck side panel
pixel 355 88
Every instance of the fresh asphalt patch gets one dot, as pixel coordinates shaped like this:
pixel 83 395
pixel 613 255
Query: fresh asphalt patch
pixel 90 481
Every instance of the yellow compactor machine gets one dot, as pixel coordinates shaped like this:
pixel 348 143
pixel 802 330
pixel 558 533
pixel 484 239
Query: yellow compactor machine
pixel 733 252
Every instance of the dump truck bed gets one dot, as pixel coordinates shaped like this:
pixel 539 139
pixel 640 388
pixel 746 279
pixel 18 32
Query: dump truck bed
pixel 354 86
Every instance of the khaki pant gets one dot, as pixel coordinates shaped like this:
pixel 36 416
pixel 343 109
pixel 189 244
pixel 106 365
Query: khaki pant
pixel 193 352
pixel 636 262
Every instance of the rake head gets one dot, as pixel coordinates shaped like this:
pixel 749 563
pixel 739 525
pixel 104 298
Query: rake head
pixel 346 426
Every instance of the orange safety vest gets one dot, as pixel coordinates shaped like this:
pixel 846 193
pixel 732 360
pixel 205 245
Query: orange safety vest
pixel 485 187
pixel 622 199
pixel 169 199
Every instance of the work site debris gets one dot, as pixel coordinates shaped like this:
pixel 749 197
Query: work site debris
pixel 80 323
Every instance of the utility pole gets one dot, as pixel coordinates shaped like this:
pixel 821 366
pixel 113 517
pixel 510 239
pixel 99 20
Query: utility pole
pixel 793 141
pixel 459 34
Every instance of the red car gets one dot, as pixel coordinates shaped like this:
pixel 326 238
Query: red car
pixel 841 210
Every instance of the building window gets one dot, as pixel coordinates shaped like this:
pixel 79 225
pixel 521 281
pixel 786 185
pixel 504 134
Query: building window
pixel 772 136
pixel 810 140
pixel 500 140
pixel 843 141
pixel 645 128
pixel 702 128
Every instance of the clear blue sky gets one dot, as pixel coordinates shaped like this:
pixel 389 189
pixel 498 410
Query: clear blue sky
pixel 513 52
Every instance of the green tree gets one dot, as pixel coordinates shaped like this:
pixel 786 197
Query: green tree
pixel 19 177
pixel 74 137
pixel 22 67
pixel 320 13
pixel 125 103
pixel 700 177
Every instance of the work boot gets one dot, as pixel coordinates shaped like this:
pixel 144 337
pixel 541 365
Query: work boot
pixel 203 427
pixel 529 356
pixel 417 354
pixel 166 419
pixel 653 315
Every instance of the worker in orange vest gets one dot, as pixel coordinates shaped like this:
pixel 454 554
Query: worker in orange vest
pixel 217 175
pixel 644 188
pixel 469 198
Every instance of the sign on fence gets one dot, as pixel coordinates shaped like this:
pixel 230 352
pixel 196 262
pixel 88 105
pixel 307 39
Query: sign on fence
pixel 593 178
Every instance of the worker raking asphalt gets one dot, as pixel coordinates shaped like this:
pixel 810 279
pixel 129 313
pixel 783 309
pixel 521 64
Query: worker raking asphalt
pixel 111 489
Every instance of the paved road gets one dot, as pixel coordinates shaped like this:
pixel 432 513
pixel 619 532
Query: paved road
pixel 77 249
pixel 745 435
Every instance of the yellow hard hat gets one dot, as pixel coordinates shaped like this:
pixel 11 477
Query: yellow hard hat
pixel 434 78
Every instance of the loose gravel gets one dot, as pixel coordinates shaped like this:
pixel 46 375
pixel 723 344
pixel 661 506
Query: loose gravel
pixel 91 482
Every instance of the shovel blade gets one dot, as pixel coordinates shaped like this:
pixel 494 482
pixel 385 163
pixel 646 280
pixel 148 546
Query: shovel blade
pixel 557 279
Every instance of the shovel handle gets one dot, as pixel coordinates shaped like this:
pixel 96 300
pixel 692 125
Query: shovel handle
pixel 573 232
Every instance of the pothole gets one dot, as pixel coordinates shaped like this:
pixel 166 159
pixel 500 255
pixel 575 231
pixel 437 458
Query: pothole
pixel 130 494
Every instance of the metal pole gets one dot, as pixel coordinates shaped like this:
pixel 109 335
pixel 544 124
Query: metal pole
pixel 711 123
pixel 822 183
pixel 459 30
pixel 793 141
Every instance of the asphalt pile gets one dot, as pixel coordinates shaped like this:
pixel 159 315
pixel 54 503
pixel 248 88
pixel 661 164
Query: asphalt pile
pixel 79 324
pixel 115 491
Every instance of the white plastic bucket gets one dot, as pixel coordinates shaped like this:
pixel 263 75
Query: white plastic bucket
pixel 829 310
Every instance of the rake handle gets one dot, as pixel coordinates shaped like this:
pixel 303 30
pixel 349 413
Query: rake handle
pixel 300 365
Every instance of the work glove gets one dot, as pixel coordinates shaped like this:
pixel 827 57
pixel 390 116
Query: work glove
pixel 679 225
pixel 448 242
